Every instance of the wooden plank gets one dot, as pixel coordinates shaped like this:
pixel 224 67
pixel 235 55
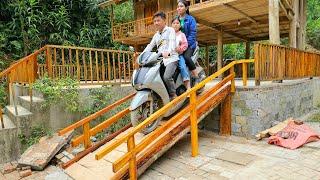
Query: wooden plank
pixel 85 72
pixel 103 67
pixel 63 63
pixel 95 146
pixel 78 64
pixel 97 66
pixel 91 68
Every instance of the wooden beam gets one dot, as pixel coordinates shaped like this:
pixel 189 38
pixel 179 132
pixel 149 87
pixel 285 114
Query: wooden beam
pixel 274 27
pixel 286 12
pixel 218 28
pixel 241 12
pixel 288 6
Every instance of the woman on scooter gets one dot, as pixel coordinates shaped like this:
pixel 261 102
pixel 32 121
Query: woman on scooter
pixel 182 45
pixel 189 28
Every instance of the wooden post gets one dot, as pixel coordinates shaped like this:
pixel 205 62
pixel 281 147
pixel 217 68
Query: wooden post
pixel 233 83
pixel 207 60
pixel 86 133
pixel 248 50
pixel 274 28
pixel 293 25
pixel 302 25
pixel 49 62
pixel 132 162
pixel 194 124
pixel 220 50
pixel 256 64
pixel 244 73
pixel 225 116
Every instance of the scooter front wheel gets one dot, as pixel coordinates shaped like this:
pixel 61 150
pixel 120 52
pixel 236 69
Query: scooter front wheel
pixel 142 113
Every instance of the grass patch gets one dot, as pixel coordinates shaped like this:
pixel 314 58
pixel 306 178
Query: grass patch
pixel 315 117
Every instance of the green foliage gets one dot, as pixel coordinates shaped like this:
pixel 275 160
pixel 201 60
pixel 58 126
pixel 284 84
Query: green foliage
pixel 36 133
pixel 315 117
pixel 59 91
pixel 26 25
pixel 313 23
pixel 100 98
pixel 3 95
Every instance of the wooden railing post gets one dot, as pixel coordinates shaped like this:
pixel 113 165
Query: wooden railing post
pixel 256 64
pixel 194 124
pixel 86 134
pixel 233 84
pixel 132 162
pixel 244 73
pixel 49 61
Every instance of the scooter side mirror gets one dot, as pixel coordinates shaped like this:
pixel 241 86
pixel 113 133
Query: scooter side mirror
pixel 131 48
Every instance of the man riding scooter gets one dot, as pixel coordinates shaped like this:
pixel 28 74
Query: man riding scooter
pixel 165 41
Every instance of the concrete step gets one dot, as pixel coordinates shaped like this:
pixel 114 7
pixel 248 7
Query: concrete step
pixel 8 124
pixel 24 101
pixel 22 120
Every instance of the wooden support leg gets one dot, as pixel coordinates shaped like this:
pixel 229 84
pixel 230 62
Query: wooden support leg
pixel 194 125
pixel 225 117
pixel 132 162
pixel 86 133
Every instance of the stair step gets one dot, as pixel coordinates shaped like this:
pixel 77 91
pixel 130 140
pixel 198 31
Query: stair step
pixel 25 101
pixel 34 99
pixel 21 111
pixel 8 124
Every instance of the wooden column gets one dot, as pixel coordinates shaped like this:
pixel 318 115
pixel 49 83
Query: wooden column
pixel 207 60
pixel 274 28
pixel 248 50
pixel 225 116
pixel 220 50
pixel 302 28
pixel 293 25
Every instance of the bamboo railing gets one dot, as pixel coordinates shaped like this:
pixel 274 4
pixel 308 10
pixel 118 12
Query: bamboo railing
pixel 88 65
pixel 23 71
pixel 274 62
pixel 142 27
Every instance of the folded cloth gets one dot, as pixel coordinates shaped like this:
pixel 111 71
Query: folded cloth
pixel 294 136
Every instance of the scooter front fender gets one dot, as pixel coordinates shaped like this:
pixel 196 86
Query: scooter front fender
pixel 140 98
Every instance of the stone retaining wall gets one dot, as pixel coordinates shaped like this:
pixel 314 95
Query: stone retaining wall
pixel 255 109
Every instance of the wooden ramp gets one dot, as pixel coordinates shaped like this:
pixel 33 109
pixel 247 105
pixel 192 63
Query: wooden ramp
pixel 130 153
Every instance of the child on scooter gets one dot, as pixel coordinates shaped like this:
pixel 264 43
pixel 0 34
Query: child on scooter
pixel 182 45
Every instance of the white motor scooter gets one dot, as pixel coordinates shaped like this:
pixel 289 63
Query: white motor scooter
pixel 151 90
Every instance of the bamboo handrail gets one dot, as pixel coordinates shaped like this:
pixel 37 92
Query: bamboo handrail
pixel 192 108
pixel 87 131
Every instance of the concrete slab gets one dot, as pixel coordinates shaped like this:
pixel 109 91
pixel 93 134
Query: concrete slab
pixel 39 155
pixel 8 124
pixel 237 157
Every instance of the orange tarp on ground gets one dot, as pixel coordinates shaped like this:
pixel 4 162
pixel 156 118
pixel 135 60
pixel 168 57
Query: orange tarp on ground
pixel 294 136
